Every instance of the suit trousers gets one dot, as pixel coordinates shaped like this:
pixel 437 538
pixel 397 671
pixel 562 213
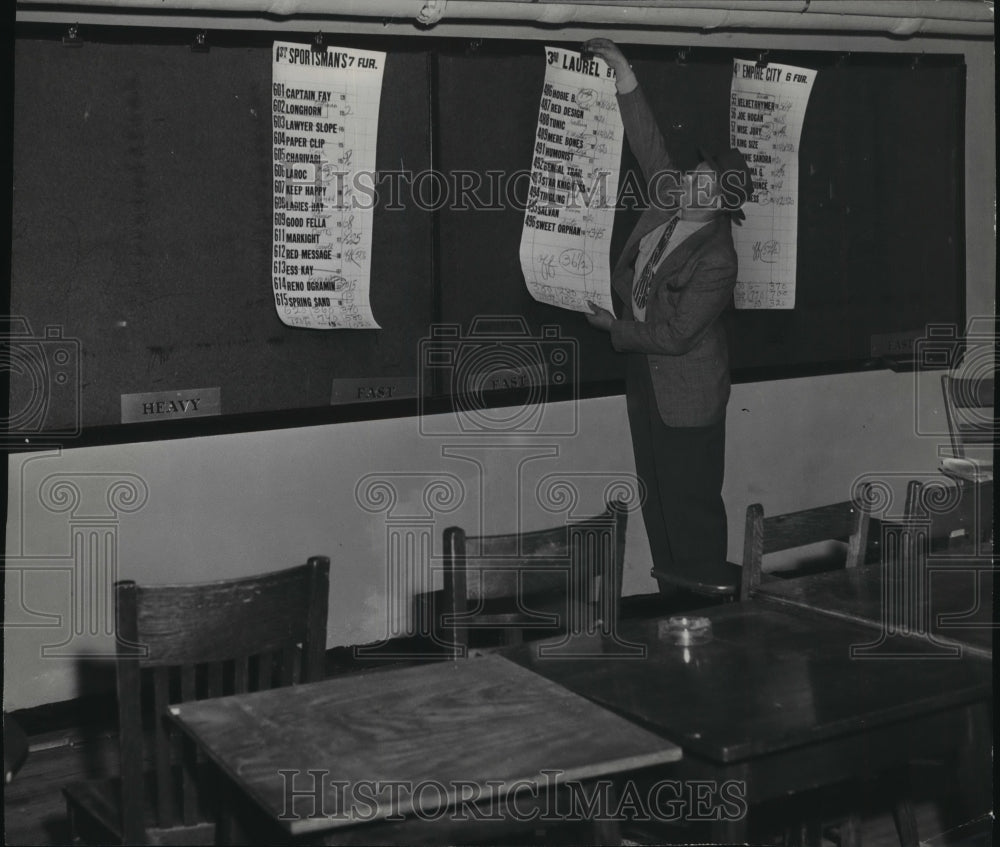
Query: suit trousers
pixel 682 469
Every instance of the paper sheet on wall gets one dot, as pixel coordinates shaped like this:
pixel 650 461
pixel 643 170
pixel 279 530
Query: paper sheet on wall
pixel 325 107
pixel 767 107
pixel 566 237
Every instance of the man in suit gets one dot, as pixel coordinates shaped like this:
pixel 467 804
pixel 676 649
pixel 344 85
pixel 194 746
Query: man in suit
pixel 675 277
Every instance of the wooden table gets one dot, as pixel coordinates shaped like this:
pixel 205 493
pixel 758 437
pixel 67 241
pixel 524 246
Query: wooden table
pixel 775 703
pixel 947 603
pixel 392 744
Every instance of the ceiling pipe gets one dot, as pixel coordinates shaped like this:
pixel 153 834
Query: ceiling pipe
pixel 959 9
pixel 895 17
pixel 964 10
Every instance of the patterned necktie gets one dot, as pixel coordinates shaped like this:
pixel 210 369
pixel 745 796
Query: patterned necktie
pixel 642 286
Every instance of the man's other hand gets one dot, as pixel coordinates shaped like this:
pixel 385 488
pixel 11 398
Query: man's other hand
pixel 599 318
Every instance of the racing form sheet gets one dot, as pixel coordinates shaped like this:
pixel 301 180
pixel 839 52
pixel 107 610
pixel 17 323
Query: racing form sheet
pixel 566 237
pixel 766 111
pixel 324 106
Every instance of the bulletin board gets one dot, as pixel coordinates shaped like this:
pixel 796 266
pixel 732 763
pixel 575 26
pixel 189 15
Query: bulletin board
pixel 142 229
pixel 142 223
pixel 880 237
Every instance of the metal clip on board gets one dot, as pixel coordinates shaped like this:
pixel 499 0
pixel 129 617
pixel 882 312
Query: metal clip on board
pixel 72 37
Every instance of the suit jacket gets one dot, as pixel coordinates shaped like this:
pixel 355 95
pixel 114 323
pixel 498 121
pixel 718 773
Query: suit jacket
pixel 683 336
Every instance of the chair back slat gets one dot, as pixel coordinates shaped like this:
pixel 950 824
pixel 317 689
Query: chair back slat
pixel 974 434
pixel 313 656
pixel 847 521
pixel 809 526
pixel 287 665
pixel 968 406
pixel 598 587
pixel 188 683
pixel 265 669
pixel 215 672
pixel 500 566
pixel 190 813
pixel 499 581
pixel 241 675
pixel 206 640
pixel 217 622
pixel 129 686
pixel 753 550
pixel 970 393
pixel 182 752
pixel 163 748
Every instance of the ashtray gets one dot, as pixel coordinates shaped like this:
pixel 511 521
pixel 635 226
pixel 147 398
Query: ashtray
pixel 685 630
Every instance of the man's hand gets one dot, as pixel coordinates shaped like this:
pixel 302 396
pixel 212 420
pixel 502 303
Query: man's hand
pixel 609 51
pixel 599 318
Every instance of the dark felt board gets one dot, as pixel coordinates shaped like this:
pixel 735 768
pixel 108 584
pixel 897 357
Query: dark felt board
pixel 489 109
pixel 142 226
pixel 142 213
pixel 880 240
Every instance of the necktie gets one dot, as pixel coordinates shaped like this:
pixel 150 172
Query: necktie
pixel 642 287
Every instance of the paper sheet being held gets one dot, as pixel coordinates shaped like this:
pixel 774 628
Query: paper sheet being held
pixel 767 109
pixel 565 241
pixel 325 106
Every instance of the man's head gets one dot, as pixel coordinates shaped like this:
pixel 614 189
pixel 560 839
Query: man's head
pixel 699 194
pixel 733 180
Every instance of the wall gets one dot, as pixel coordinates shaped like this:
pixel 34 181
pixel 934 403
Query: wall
pixel 222 506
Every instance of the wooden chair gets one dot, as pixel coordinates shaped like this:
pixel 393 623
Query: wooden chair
pixel 957 515
pixel 183 642
pixel 845 521
pixel 839 521
pixel 968 406
pixel 567 578
pixel 956 518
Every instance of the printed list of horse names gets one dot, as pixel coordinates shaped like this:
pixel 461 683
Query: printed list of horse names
pixel 324 110
pixel 566 237
pixel 767 109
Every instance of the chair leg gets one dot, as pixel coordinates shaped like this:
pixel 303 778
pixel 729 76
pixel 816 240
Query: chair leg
pixel 605 828
pixel 850 831
pixel 606 832
pixel 84 828
pixel 906 823
pixel 975 764
pixel 74 834
pixel 805 833
pixel 728 831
